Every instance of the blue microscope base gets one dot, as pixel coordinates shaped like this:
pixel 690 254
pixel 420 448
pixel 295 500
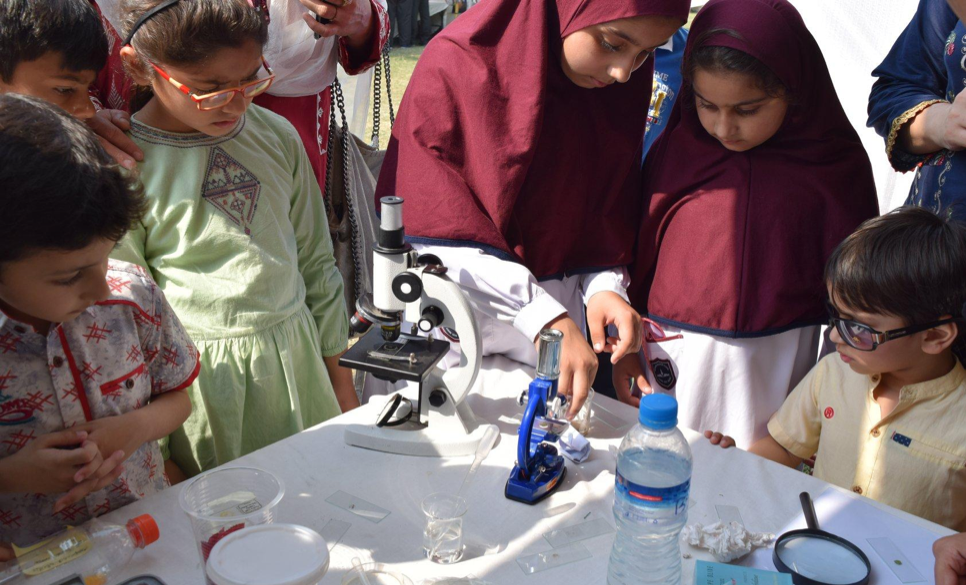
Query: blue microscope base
pixel 531 491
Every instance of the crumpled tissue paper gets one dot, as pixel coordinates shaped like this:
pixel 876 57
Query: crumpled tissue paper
pixel 574 446
pixel 726 541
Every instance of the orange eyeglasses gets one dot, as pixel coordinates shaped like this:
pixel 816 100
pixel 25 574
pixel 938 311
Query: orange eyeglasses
pixel 218 99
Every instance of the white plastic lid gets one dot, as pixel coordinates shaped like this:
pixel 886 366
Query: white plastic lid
pixel 269 554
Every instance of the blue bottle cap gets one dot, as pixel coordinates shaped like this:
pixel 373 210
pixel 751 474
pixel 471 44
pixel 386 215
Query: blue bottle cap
pixel 658 411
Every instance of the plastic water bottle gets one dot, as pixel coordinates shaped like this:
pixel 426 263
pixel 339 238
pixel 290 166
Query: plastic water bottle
pixel 87 555
pixel 651 497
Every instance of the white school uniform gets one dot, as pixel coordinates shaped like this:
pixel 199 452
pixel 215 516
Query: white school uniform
pixel 733 386
pixel 510 305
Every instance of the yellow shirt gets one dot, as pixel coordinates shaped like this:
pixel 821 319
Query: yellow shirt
pixel 914 459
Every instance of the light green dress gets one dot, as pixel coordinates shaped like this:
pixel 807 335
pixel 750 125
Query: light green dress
pixel 237 238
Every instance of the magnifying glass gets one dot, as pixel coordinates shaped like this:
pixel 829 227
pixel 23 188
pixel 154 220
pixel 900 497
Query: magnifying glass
pixel 815 557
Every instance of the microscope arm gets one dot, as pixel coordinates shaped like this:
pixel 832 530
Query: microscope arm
pixel 443 293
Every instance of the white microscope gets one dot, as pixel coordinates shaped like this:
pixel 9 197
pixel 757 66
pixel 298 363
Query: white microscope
pixel 429 418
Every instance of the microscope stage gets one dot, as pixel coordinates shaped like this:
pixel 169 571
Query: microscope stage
pixel 408 358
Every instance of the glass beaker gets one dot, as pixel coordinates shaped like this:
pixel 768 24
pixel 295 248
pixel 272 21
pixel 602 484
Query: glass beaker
pixel 443 536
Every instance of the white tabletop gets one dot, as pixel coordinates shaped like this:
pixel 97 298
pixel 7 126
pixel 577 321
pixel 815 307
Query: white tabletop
pixel 317 463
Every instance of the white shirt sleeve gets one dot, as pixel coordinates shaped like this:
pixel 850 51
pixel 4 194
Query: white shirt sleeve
pixel 615 280
pixel 501 289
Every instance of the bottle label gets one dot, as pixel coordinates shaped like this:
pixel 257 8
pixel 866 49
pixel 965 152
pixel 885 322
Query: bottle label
pixel 654 503
pixel 53 553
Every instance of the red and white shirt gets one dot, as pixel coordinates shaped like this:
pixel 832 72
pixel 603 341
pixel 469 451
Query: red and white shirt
pixel 110 360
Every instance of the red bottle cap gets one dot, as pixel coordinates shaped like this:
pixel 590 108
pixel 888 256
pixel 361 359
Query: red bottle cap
pixel 147 529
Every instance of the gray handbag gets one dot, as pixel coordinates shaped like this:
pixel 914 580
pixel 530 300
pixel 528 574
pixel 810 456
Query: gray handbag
pixel 352 169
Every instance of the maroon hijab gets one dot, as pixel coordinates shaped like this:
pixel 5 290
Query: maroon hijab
pixel 495 147
pixel 735 244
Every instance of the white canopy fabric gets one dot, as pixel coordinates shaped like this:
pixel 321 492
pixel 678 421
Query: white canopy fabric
pixel 855 36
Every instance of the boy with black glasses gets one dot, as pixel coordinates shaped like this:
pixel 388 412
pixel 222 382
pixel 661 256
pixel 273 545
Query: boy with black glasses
pixel 886 415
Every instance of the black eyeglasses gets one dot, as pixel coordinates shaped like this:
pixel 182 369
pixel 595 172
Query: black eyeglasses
pixel 864 338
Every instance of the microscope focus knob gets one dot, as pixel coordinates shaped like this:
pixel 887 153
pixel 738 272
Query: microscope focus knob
pixel 437 398
pixel 431 318
pixel 407 287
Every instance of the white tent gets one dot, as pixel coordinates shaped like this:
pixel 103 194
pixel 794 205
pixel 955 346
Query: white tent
pixel 855 35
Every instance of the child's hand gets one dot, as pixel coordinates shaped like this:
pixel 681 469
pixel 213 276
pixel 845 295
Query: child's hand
pixel 626 372
pixel 6 552
pixel 723 441
pixel 110 127
pixel 58 462
pixel 347 18
pixel 578 363
pixel 111 434
pixel 608 308
pixel 950 555
pixel 106 474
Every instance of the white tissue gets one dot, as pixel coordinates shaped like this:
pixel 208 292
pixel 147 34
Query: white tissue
pixel 574 446
pixel 726 541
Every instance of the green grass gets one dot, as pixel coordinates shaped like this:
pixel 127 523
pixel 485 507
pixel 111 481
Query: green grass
pixel 401 65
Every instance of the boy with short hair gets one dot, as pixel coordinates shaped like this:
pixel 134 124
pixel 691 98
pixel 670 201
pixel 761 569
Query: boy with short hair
pixel 886 415
pixel 85 344
pixel 53 50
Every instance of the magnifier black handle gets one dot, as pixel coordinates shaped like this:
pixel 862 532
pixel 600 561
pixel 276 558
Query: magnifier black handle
pixel 808 508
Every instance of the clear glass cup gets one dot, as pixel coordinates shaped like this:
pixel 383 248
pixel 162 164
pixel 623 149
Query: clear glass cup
pixel 222 501
pixel 375 574
pixel 443 536
pixel 581 422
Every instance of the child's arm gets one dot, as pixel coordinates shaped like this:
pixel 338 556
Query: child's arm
pixel 766 447
pixel 345 390
pixel 605 296
pixel 769 448
pixel 324 289
pixel 128 431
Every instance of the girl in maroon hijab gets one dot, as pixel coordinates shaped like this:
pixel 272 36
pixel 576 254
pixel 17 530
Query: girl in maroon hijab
pixel 515 150
pixel 756 178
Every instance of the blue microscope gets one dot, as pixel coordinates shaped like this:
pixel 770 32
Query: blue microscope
pixel 539 470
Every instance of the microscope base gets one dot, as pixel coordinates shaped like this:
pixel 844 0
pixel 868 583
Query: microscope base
pixel 445 436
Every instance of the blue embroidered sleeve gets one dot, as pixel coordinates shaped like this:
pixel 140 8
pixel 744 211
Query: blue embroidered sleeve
pixel 912 77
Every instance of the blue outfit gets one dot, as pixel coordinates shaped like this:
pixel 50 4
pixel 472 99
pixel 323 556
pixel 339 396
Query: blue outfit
pixel 667 82
pixel 927 65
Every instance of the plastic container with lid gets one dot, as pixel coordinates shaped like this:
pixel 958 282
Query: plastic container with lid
pixel 269 554
pixel 226 500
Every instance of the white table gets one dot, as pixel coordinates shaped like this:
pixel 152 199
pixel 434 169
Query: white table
pixel 317 463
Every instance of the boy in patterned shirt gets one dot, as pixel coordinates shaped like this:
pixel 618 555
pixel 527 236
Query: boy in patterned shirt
pixel 92 359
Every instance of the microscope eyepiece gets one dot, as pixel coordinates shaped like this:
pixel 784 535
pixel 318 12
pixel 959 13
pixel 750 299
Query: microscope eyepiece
pixel 548 354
